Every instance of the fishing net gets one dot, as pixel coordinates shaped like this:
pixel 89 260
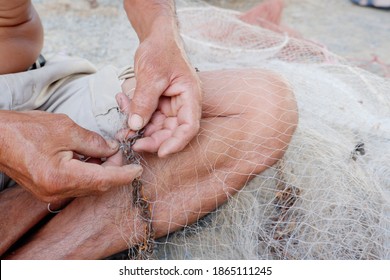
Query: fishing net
pixel 328 196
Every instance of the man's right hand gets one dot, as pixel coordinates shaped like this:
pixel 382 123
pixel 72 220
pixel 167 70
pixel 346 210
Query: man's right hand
pixel 38 151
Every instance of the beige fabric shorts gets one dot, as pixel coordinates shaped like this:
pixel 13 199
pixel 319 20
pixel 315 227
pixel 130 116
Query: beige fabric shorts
pixel 68 85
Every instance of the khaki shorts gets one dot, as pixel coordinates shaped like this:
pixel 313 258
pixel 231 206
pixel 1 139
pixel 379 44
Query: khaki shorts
pixel 71 86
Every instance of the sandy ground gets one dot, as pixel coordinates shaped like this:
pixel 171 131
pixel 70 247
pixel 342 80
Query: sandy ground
pixel 99 31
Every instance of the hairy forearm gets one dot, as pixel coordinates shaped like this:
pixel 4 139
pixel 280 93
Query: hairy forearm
pixel 21 35
pixel 149 16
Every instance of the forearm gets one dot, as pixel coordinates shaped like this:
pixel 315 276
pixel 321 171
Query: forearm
pixel 151 16
pixel 20 26
pixel 108 220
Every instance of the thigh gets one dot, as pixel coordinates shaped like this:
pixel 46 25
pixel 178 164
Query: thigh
pixel 248 119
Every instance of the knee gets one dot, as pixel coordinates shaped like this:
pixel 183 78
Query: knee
pixel 283 106
pixel 274 116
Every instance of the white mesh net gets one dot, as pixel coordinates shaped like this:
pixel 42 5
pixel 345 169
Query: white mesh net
pixel 328 197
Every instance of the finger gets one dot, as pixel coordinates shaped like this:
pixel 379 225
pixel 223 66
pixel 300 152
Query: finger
pixel 156 133
pixel 152 143
pixel 123 134
pixel 188 118
pixel 94 178
pixel 91 144
pixel 156 123
pixel 145 101
pixel 123 103
pixel 115 160
pixel 177 142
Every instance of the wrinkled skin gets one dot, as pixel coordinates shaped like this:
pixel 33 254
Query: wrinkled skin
pixel 162 69
pixel 49 168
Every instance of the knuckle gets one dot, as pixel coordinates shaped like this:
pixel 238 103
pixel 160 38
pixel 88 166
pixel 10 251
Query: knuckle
pixel 63 118
pixel 103 188
pixel 64 123
pixel 95 183
pixel 101 185
pixel 95 140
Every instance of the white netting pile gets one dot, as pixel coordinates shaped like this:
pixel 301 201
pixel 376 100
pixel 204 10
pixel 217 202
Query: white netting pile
pixel 329 196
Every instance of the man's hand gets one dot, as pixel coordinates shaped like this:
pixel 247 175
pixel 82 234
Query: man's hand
pixel 162 70
pixel 40 152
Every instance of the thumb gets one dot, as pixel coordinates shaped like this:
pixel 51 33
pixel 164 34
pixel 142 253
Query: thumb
pixel 144 102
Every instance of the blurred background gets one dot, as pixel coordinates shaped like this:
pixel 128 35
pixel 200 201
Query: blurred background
pixel 98 29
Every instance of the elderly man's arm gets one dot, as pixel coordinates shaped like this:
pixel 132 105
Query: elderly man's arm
pixel 163 69
pixel 21 35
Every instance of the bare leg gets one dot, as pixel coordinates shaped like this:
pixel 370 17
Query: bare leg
pixel 269 10
pixel 19 212
pixel 248 120
pixel 268 15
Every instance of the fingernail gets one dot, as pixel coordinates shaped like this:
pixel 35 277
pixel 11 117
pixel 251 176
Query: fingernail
pixel 136 122
pixel 112 144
